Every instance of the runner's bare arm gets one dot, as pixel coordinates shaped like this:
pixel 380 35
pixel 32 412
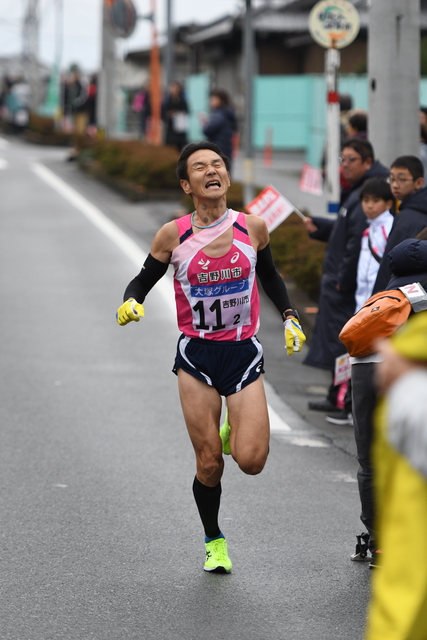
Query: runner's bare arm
pixel 165 241
pixel 258 232
pixel 156 263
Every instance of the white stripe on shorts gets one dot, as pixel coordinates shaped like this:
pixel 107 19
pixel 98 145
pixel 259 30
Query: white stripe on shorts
pixel 258 346
pixel 182 346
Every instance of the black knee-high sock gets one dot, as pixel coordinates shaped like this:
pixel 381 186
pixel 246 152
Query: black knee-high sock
pixel 207 501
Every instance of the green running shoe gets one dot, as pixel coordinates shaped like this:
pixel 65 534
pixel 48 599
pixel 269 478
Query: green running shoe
pixel 217 556
pixel 224 434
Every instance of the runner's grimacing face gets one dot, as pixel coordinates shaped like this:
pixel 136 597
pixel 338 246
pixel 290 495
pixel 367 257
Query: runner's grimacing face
pixel 207 174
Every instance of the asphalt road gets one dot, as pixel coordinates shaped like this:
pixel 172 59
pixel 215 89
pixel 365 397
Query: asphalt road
pixel 100 537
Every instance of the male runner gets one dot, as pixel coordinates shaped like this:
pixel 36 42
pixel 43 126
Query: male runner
pixel 216 253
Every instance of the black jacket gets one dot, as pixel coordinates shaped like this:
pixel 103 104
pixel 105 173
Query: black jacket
pixel 411 219
pixel 336 306
pixel 344 234
pixel 221 126
pixel 407 262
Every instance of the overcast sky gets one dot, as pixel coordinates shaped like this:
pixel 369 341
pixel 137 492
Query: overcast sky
pixel 82 26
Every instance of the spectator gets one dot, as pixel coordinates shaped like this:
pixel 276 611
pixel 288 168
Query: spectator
pixel 338 283
pixel 346 105
pixel 357 126
pixel 175 116
pixel 377 200
pixel 423 147
pixel 406 182
pixel 408 263
pixel 398 607
pixel 91 102
pixel 18 104
pixel 140 105
pixel 221 125
pixel 77 95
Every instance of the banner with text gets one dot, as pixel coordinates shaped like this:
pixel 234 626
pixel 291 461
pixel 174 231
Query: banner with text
pixel 271 206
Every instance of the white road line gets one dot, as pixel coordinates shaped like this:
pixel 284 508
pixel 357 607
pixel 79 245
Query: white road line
pixel 132 250
pixel 129 247
pixel 301 441
pixel 277 425
pixel 4 144
pixel 338 476
pixel 3 163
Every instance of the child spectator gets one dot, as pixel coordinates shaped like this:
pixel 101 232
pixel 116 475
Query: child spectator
pixel 407 186
pixel 377 200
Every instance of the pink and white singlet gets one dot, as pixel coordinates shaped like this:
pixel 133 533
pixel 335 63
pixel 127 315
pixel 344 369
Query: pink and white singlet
pixel 216 298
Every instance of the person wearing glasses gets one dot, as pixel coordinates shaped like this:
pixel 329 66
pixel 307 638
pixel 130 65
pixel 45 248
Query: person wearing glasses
pixel 407 186
pixel 339 277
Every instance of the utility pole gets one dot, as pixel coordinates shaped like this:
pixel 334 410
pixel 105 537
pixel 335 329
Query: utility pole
pixel 31 48
pixel 170 44
pixel 394 76
pixel 106 102
pixel 155 126
pixel 248 66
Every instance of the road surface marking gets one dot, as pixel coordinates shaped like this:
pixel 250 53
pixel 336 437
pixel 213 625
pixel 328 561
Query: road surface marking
pixel 301 441
pixel 277 425
pixel 338 476
pixel 129 247
pixel 3 163
pixel 4 144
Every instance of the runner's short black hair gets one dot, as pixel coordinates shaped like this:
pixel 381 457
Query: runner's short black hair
pixel 181 167
pixel 378 188
pixel 360 146
pixel 412 163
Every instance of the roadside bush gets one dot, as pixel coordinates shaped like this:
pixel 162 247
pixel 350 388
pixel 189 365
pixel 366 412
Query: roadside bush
pixel 138 162
pixel 40 124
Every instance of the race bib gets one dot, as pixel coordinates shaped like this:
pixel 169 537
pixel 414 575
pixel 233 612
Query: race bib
pixel 221 306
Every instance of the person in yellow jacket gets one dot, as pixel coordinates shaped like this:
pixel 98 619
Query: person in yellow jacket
pixel 398 607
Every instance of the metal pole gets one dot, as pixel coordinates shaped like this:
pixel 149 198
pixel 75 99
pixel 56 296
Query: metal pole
pixel 394 76
pixel 31 31
pixel 332 63
pixel 58 57
pixel 155 132
pixel 169 44
pixel 106 102
pixel 248 63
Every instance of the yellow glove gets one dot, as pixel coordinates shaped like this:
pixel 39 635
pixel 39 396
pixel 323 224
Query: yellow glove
pixel 130 310
pixel 294 336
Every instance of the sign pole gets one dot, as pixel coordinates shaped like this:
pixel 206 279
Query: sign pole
pixel 333 24
pixel 332 63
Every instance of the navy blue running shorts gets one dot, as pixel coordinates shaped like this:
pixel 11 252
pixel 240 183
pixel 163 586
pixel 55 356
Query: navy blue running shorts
pixel 226 366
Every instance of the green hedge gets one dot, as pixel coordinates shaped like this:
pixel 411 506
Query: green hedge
pixel 138 162
pixel 297 256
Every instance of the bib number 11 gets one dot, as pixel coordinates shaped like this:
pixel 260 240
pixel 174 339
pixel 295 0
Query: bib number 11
pixel 215 309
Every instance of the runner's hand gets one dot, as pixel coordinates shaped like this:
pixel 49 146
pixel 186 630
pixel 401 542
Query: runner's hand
pixel 130 310
pixel 294 336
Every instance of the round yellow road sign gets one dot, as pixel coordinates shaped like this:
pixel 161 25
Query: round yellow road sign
pixel 334 23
